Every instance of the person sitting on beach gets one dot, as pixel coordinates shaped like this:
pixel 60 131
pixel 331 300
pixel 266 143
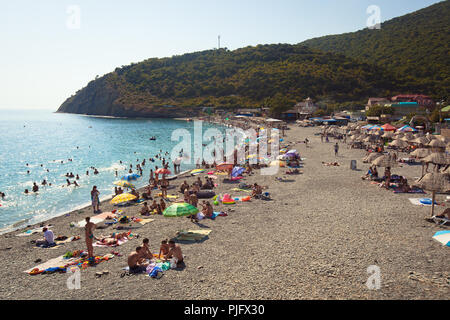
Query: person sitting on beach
pixel 164 186
pixel 49 238
pixel 256 190
pixel 193 200
pixel 445 214
pixel 195 188
pixel 136 262
pixel 135 193
pixel 207 209
pixel 164 248
pixel 174 252
pixel 146 253
pixel 153 206
pixel 199 182
pixel 162 205
pixel 186 195
pixel 148 193
pixel 145 210
pixel 184 186
pixel 403 185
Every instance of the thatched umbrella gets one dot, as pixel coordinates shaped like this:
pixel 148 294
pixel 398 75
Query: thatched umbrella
pixel 399 144
pixel 420 140
pixel 388 134
pixel 437 158
pixel 434 182
pixel 371 157
pixel 436 143
pixel 421 153
pixel 385 161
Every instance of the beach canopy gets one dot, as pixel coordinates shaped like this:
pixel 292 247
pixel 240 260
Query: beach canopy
pixel 385 161
pixel 237 171
pixel 132 176
pixel 443 237
pixel 122 198
pixel 388 127
pixel 407 129
pixel 436 143
pixel 421 153
pixel 180 210
pixel 420 140
pixel 124 184
pixel 434 182
pixel 371 157
pixel 399 143
pixel 437 158
pixel 163 171
pixel 225 166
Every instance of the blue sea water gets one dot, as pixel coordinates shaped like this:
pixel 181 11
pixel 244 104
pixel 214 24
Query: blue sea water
pixel 46 140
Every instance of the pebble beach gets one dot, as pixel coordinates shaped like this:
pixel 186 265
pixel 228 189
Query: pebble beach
pixel 314 240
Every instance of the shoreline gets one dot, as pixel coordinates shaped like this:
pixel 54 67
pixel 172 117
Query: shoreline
pixel 333 224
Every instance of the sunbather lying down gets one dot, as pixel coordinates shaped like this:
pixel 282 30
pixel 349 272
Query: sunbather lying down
pixel 331 164
pixel 295 171
pixel 113 239
pixel 445 214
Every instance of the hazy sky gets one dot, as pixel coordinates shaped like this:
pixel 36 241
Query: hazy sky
pixel 48 53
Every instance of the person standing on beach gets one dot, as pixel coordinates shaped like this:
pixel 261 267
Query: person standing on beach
pixel 95 199
pixel 89 233
pixel 336 149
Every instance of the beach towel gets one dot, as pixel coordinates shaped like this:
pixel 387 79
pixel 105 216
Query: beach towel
pixel 103 245
pixel 29 232
pixel 192 235
pixel 97 219
pixel 417 202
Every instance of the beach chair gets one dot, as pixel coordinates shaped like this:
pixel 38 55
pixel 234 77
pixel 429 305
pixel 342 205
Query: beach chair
pixel 440 221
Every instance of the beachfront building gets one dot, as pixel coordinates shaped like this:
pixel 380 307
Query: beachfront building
pixel 249 112
pixel 377 102
pixel 306 108
pixel 420 99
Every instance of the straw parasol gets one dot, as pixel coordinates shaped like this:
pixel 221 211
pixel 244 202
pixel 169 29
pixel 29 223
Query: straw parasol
pixel 436 143
pixel 434 182
pixel 371 157
pixel 388 134
pixel 421 153
pixel 385 161
pixel 420 140
pixel 399 143
pixel 437 158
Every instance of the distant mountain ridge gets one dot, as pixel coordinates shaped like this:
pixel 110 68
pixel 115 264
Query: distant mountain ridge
pixel 415 45
pixel 342 68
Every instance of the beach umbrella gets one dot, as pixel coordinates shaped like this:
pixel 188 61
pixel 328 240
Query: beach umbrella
pixel 420 140
pixel 399 144
pixel 436 143
pixel 388 134
pixel 121 198
pixel 437 158
pixel 180 210
pixel 225 166
pixel 371 157
pixel 407 129
pixel 237 171
pixel 163 171
pixel 195 171
pixel 124 184
pixel 434 182
pixel 385 161
pixel 421 153
pixel 443 237
pixel 291 153
pixel 129 177
pixel 388 127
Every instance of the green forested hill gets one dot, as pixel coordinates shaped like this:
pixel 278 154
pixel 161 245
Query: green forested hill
pixel 412 46
pixel 242 78
pixel 409 54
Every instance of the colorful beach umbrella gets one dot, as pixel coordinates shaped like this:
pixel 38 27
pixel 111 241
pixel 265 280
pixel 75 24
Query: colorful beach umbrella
pixel 163 171
pixel 225 166
pixel 407 129
pixel 443 237
pixel 388 127
pixel 180 210
pixel 122 198
pixel 132 176
pixel 196 171
pixel 124 184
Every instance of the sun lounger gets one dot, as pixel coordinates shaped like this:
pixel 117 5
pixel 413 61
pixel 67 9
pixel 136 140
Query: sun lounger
pixel 440 221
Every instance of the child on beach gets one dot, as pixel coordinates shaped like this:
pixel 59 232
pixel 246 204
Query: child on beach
pixel 164 248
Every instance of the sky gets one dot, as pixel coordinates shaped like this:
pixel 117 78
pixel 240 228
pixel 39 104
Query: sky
pixel 52 48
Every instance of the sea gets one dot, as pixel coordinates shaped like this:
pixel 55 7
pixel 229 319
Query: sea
pixel 37 145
